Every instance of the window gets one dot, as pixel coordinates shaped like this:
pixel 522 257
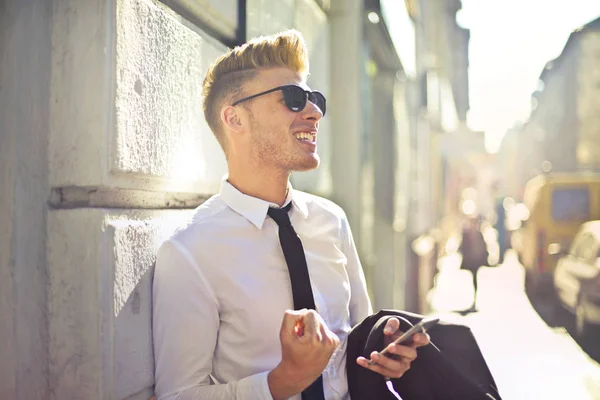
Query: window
pixel 219 18
pixel 572 204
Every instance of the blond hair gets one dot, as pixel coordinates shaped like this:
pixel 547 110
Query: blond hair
pixel 226 76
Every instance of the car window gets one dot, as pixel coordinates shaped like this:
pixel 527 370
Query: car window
pixel 570 204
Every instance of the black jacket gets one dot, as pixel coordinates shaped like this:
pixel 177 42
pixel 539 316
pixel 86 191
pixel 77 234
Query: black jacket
pixel 450 368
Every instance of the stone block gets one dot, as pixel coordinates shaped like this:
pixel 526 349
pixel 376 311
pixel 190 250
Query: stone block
pixel 80 92
pixel 100 265
pixel 126 107
pixel 160 127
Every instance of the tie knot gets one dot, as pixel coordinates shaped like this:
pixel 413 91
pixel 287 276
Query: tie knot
pixel 280 215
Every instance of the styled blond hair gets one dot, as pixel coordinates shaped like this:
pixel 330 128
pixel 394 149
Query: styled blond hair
pixel 226 76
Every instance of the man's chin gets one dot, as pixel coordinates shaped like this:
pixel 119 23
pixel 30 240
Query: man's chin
pixel 307 164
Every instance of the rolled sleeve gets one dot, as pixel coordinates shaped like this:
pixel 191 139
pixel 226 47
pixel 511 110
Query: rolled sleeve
pixel 255 387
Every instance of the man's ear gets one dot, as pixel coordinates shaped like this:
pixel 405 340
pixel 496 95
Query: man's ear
pixel 231 118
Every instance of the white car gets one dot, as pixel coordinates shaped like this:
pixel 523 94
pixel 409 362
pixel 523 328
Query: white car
pixel 577 277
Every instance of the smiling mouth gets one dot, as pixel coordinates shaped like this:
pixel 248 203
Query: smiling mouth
pixel 310 137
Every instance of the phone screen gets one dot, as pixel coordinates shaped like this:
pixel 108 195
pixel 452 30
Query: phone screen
pixel 423 325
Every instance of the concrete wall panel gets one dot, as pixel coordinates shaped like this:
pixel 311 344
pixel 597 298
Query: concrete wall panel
pixel 126 99
pixel 24 102
pixel 346 110
pixel 80 91
pixel 100 271
pixel 161 132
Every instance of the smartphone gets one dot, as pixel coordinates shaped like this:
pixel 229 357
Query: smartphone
pixel 422 327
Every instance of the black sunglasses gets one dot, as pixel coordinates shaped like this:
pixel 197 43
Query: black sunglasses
pixel 295 98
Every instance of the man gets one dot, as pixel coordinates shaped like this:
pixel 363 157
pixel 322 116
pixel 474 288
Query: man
pixel 223 320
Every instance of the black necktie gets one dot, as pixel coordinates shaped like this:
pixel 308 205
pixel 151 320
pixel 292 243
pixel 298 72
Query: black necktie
pixel 301 290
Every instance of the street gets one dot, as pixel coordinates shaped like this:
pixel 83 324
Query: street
pixel 529 359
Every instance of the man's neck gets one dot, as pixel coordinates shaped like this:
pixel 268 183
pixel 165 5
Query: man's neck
pixel 268 186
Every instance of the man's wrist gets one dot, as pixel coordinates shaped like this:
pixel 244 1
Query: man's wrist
pixel 285 382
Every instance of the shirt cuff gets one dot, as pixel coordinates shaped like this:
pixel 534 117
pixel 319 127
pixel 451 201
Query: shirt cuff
pixel 257 386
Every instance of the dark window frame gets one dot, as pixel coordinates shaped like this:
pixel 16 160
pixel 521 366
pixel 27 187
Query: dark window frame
pixel 238 38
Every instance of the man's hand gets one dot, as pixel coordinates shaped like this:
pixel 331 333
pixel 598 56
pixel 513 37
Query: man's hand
pixel 306 347
pixel 404 354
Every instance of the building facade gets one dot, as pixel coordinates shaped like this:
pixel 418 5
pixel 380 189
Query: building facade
pixel 562 134
pixel 438 106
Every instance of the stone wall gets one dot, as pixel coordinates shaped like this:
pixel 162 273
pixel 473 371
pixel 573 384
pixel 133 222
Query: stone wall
pixel 24 100
pixel 100 264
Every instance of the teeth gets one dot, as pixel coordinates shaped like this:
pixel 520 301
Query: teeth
pixel 306 136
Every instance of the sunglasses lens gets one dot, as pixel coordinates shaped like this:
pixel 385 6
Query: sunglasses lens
pixel 319 100
pixel 295 98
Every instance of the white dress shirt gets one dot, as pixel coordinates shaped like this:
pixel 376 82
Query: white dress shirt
pixel 221 287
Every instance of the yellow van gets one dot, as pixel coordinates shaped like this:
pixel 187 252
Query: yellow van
pixel 558 204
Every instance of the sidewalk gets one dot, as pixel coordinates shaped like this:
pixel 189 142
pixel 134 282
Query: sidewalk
pixel 528 359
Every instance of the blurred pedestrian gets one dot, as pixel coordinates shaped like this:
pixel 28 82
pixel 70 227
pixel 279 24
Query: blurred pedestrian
pixel 500 227
pixel 474 251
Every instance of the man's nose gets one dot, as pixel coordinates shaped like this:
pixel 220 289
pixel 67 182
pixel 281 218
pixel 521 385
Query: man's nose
pixel 311 111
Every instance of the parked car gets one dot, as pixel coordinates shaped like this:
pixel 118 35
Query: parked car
pixel 558 204
pixel 577 277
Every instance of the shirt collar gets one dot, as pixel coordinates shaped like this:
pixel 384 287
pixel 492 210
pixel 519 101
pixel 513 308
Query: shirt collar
pixel 255 209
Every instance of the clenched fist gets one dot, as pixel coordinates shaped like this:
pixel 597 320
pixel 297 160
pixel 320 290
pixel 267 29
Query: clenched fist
pixel 306 347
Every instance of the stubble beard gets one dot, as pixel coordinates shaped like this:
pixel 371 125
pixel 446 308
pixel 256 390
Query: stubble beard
pixel 270 149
